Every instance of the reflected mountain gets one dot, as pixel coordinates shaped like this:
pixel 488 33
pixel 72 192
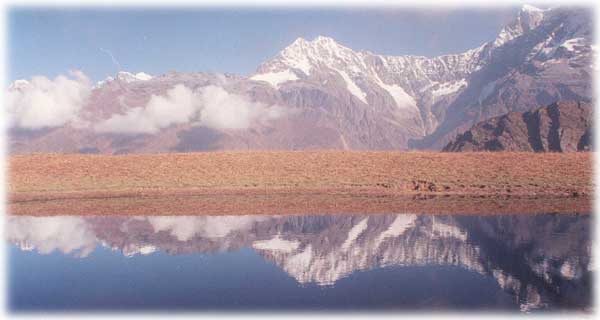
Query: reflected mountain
pixel 543 261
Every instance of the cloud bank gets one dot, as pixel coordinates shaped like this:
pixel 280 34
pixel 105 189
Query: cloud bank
pixel 69 235
pixel 187 227
pixel 41 102
pixel 210 106
pixel 177 106
pixel 222 110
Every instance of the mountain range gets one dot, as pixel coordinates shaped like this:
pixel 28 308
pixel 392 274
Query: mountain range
pixel 316 94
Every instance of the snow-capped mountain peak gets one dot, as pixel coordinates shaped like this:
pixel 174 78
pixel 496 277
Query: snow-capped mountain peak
pixel 126 77
pixel 327 42
pixel 302 57
pixel 130 77
pixel 530 8
pixel 528 18
pixel 102 82
pixel 362 72
pixel 302 46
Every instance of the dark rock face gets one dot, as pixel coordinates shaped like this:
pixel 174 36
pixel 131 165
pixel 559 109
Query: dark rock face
pixel 564 126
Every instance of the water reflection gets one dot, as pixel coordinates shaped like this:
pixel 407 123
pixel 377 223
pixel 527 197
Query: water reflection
pixel 541 261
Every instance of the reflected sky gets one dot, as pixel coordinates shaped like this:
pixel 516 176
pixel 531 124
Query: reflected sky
pixel 334 262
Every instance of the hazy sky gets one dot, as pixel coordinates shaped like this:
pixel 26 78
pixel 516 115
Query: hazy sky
pixel 52 41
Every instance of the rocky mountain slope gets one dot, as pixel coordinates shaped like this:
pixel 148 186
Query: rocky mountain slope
pixel 549 57
pixel 559 127
pixel 314 94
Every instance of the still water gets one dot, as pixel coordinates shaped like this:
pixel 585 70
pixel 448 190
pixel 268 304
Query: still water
pixel 402 262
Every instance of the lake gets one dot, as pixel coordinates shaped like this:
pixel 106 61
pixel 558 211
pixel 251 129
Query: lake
pixel 339 262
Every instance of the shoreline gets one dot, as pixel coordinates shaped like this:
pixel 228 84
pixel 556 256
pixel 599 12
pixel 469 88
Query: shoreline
pixel 299 204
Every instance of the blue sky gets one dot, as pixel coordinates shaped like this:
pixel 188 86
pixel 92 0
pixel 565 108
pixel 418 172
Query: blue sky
pixel 52 41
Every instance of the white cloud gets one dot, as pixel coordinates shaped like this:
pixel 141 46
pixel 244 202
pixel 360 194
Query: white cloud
pixel 185 228
pixel 177 106
pixel 222 110
pixel 211 106
pixel 67 234
pixel 42 102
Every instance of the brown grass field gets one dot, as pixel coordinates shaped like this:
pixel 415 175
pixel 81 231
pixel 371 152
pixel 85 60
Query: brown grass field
pixel 300 182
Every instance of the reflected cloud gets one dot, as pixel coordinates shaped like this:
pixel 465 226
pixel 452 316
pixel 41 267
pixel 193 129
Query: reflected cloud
pixel 185 228
pixel 69 235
